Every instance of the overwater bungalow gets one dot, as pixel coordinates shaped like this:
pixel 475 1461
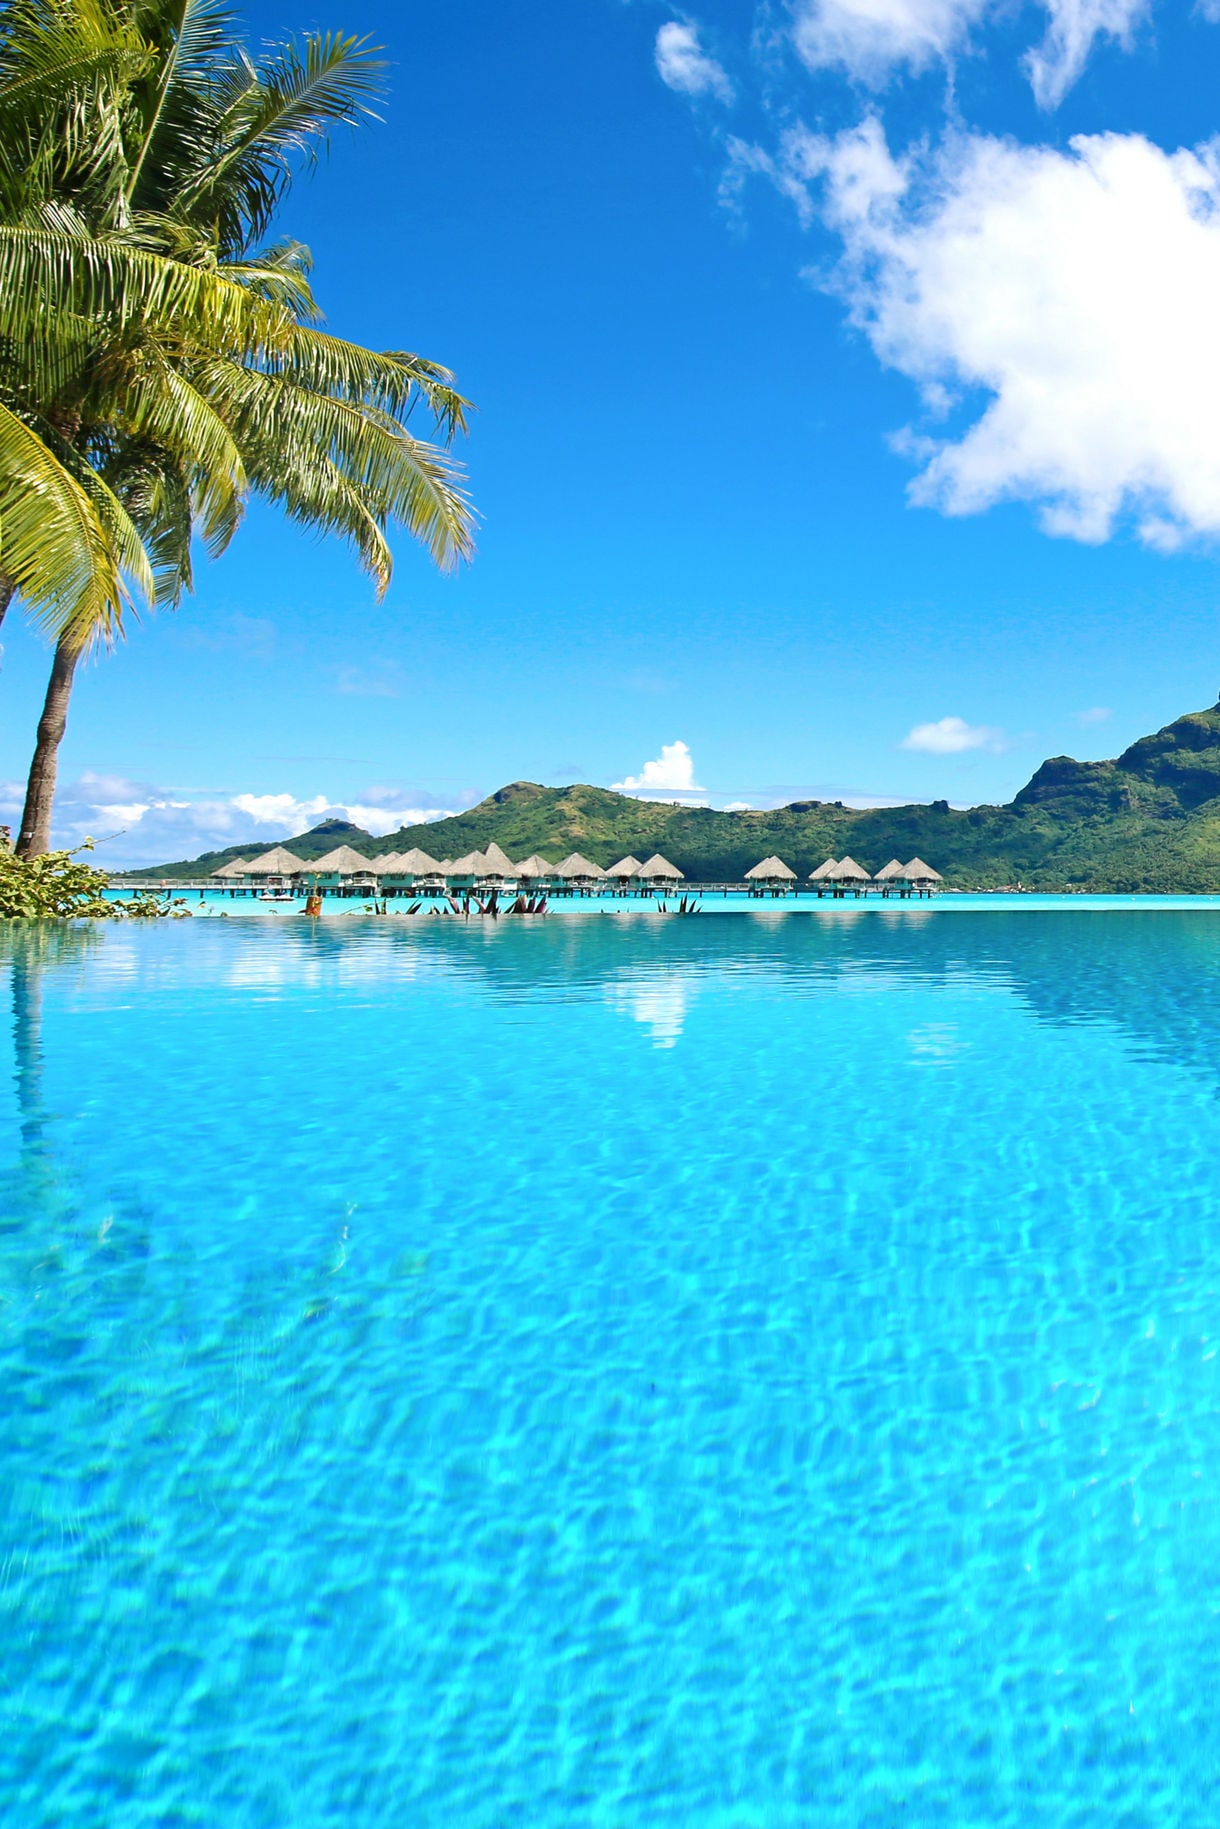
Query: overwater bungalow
pixel 500 866
pixel 414 869
pixel 772 873
pixel 276 869
pixel 848 874
pixel 344 871
pixel 657 871
pixel 624 871
pixel 921 874
pixel 231 873
pixel 465 872
pixel 824 872
pixel 535 870
pixel 579 872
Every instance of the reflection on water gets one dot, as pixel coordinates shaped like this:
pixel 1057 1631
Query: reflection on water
pixel 659 1002
pixel 31 952
pixel 654 1372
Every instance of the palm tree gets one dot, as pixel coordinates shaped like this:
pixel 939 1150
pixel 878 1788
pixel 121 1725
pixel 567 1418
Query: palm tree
pixel 157 362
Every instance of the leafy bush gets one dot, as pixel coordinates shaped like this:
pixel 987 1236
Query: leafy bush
pixel 35 888
pixel 56 884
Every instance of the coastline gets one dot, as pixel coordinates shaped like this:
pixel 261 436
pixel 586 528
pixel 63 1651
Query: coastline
pixel 216 905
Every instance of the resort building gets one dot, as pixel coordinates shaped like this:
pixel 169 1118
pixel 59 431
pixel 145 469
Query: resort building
pixel 279 873
pixel 773 873
pixel 658 869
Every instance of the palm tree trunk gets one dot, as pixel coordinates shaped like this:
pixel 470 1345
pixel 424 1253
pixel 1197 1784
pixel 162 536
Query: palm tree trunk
pixel 35 836
pixel 8 590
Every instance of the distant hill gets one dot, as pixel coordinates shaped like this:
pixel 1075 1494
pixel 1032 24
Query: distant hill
pixel 1149 820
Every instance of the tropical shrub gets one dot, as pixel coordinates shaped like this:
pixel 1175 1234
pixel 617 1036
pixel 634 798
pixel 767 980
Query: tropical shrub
pixel 56 883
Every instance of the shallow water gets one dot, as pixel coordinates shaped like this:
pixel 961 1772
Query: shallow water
pixel 751 1372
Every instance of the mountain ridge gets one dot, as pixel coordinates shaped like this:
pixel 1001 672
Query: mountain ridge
pixel 1146 820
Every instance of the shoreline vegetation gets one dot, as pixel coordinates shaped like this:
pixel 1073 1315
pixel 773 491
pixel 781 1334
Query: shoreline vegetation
pixel 1147 822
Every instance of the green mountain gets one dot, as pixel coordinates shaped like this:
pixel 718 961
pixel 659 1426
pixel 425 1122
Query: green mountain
pixel 1149 820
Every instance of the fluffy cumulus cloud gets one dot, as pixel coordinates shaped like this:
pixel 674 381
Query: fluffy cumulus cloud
pixel 950 736
pixel 673 771
pixel 135 823
pixel 1063 302
pixel 684 65
pixel 871 39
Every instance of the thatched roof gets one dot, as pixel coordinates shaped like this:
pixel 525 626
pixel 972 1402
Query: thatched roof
pixel 342 861
pixel 535 866
pixel 919 872
pixel 847 870
pixel 385 864
pixel 417 862
pixel 473 864
pixel 237 867
pixel 823 871
pixel 499 863
pixel 626 866
pixel 889 871
pixel 658 866
pixel 277 862
pixel 576 866
pixel 771 870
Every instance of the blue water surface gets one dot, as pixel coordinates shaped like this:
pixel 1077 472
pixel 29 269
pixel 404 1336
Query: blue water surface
pixel 746 1372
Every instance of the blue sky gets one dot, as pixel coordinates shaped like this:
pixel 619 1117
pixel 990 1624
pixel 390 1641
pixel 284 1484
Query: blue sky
pixel 849 422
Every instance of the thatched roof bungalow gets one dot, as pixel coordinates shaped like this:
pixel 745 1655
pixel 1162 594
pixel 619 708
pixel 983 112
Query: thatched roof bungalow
pixel 893 872
pixel 658 869
pixel 824 872
pixel 771 870
pixel 466 870
pixel 578 869
pixel 847 870
pixel 625 869
pixel 342 865
pixel 535 869
pixel 235 869
pixel 418 866
pixel 919 872
pixel 276 863
pixel 498 863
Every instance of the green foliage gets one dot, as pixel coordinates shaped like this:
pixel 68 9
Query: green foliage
pixel 1146 822
pixel 149 906
pixel 55 885
pixel 37 888
pixel 158 363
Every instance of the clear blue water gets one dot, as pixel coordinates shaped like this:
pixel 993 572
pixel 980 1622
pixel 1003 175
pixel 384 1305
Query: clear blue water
pixel 747 1372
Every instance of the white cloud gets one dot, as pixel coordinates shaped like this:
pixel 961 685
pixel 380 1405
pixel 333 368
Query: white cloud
pixel 684 65
pixel 739 806
pixel 1078 289
pixel 136 823
pixel 870 39
pixel 1072 29
pixel 950 736
pixel 280 810
pixel 673 771
pixel 1096 714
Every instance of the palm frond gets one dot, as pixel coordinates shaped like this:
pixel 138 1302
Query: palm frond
pixel 56 540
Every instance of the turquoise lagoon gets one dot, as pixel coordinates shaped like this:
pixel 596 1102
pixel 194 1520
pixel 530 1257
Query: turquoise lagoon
pixel 762 1371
